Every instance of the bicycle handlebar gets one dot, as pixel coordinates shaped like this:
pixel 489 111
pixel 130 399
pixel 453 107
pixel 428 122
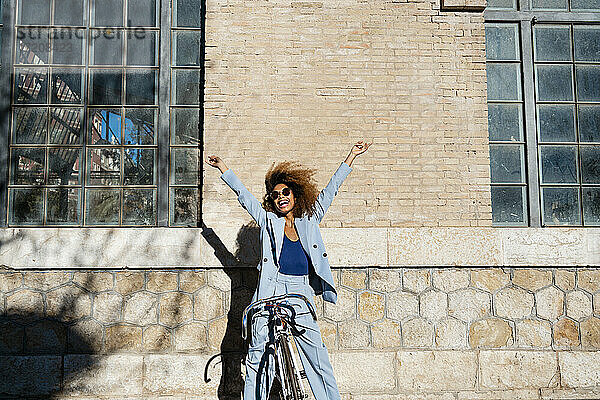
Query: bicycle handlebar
pixel 275 300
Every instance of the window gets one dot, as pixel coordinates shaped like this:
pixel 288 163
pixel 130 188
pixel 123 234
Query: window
pixel 95 138
pixel 543 68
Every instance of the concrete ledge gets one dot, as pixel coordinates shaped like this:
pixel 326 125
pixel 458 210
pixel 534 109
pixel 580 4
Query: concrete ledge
pixel 380 375
pixel 432 371
pixel 111 375
pixel 507 369
pixel 364 372
pixel 579 369
pixel 237 245
pixel 30 375
pixel 177 373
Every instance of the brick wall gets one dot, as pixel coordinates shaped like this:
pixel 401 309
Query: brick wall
pixel 305 80
pixel 443 333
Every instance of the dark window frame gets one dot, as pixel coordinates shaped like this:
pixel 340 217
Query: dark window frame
pixel 163 144
pixel 526 17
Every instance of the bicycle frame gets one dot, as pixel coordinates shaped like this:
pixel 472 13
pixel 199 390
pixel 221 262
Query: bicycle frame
pixel 287 364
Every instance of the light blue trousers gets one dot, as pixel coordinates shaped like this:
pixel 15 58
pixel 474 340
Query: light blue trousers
pixel 260 364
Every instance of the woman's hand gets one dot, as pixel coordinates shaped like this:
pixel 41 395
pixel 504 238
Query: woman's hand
pixel 358 148
pixel 216 162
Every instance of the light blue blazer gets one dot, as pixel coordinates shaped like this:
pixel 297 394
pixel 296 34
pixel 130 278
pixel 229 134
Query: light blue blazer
pixel 272 231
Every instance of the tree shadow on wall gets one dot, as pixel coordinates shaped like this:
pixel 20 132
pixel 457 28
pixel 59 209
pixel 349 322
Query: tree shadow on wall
pixel 50 345
pixel 241 270
pixel 45 350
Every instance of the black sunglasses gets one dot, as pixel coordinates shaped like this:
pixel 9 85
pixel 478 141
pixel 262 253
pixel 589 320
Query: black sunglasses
pixel 274 195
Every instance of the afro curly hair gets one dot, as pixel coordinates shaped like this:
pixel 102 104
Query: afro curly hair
pixel 300 180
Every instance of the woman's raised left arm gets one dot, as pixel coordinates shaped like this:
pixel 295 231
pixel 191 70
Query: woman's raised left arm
pixel 328 193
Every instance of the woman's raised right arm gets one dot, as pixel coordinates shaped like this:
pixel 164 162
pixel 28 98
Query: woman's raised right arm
pixel 246 199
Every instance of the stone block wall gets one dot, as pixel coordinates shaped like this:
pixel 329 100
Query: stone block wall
pixel 429 333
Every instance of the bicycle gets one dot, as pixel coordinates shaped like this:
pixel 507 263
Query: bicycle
pixel 287 366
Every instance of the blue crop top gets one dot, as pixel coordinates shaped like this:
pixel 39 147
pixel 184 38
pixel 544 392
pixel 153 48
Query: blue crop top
pixel 293 259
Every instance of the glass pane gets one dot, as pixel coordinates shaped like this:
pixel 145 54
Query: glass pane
pixel 186 48
pixel 561 206
pixel 139 166
pixel 141 13
pixel 105 126
pixel 68 12
pixel 559 164
pixel 141 87
pixel 549 4
pixel 506 163
pixel 508 206
pixel 29 125
pixel 106 86
pixel 587 43
pixel 184 166
pixel 502 4
pixel 504 81
pixel 34 12
pixel 107 13
pixel 590 164
pixel 67 47
pixel 505 122
pixel 63 166
pixel 552 43
pixel 185 127
pixel 588 82
pixel 556 123
pixel 33 46
pixel 141 47
pixel 104 166
pixel 102 206
pixel 589 123
pixel 26 206
pixel 554 83
pixel 107 47
pixel 186 87
pixel 138 207
pixel 501 42
pixel 27 166
pixel 184 206
pixel 140 125
pixel 591 206
pixel 186 13
pixel 31 86
pixel 585 5
pixel 66 125
pixel 67 84
pixel 63 206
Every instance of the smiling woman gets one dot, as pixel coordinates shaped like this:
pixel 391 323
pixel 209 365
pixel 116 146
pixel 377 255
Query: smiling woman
pixel 293 261
pixel 299 180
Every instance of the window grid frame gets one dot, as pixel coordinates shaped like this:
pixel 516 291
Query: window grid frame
pixel 162 103
pixel 579 185
pixel 527 17
pixel 522 144
pixel 173 106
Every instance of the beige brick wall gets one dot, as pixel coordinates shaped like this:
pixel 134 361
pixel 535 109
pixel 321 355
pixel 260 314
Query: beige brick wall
pixel 304 80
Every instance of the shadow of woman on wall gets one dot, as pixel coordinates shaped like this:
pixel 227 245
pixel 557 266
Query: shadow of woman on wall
pixel 241 270
pixel 243 274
